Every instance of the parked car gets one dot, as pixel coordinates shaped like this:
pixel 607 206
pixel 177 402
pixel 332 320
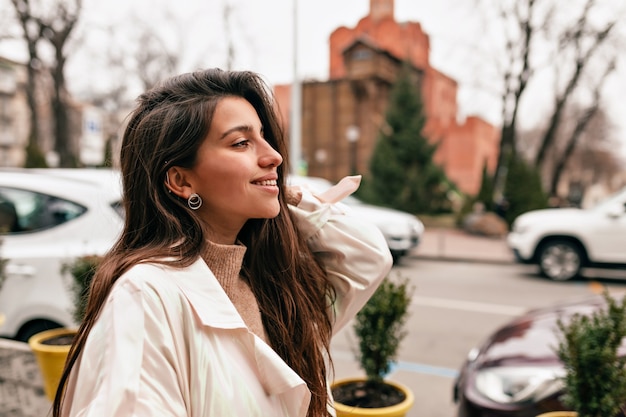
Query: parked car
pixel 48 217
pixel 516 372
pixel 562 241
pixel 403 231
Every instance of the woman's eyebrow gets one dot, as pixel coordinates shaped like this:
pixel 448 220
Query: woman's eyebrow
pixel 240 128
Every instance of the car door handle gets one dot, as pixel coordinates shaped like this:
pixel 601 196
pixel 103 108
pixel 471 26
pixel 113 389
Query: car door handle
pixel 20 270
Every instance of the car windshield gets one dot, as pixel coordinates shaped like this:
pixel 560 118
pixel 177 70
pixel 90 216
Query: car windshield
pixel 119 209
pixel 618 198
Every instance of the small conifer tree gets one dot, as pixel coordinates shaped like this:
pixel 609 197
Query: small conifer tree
pixel 379 326
pixel 523 190
pixel 403 173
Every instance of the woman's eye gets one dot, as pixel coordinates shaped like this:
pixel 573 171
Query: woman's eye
pixel 241 143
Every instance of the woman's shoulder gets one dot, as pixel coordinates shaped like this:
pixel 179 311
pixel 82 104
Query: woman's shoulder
pixel 156 276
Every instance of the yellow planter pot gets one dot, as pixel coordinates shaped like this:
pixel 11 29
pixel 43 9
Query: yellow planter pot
pixel 50 358
pixel 398 410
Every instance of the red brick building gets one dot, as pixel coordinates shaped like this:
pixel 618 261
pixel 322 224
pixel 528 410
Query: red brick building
pixel 341 117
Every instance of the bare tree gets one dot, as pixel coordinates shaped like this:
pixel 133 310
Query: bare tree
pixel 581 42
pixel 522 25
pixel 148 51
pixel 32 35
pixel 577 38
pixel 596 165
pixel 56 29
pixel 582 122
pixel 161 54
pixel 583 148
pixel 154 61
pixel 52 24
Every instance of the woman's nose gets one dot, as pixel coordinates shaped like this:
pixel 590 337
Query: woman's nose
pixel 270 156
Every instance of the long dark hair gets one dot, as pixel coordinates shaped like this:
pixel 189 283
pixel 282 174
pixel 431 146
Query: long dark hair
pixel 293 291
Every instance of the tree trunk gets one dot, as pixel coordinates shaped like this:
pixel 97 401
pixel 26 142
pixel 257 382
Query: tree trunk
pixel 581 124
pixel 31 38
pixel 569 149
pixel 577 36
pixel 63 144
pixel 507 144
pixel 515 82
pixel 555 119
pixel 31 98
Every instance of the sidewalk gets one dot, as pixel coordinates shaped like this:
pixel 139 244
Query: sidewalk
pixel 448 244
pixel 21 387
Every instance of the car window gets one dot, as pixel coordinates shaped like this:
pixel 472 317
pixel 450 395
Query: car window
pixel 119 209
pixel 612 200
pixel 27 211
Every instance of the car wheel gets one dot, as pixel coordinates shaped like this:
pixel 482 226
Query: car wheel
pixel 34 327
pixel 560 260
pixel 396 255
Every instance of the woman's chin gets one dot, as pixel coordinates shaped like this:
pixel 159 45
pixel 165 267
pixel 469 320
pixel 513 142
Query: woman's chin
pixel 270 213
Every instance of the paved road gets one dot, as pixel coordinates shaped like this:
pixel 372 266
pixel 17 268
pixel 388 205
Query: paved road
pixel 456 305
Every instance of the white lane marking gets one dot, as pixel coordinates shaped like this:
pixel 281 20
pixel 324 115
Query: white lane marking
pixel 469 306
pixel 414 367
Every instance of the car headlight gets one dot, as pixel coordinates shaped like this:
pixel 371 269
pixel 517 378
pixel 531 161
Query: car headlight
pixel 514 384
pixel 520 227
pixel 394 229
pixel 417 227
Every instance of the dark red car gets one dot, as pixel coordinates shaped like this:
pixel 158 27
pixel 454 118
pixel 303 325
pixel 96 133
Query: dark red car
pixel 516 372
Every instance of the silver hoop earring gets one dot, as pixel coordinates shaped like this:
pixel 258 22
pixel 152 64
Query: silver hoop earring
pixel 194 201
pixel 167 182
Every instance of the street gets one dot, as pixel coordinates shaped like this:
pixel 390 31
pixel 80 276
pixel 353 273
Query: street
pixel 455 306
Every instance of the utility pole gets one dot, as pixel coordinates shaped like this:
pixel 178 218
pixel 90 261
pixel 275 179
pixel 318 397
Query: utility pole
pixel 230 47
pixel 295 124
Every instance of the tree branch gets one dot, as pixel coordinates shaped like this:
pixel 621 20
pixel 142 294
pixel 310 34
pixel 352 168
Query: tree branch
pixel 581 124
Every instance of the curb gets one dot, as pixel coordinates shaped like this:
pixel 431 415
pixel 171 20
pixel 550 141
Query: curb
pixel 463 259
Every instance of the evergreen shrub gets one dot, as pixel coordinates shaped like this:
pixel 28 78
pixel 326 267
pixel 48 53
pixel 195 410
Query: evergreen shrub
pixel 595 380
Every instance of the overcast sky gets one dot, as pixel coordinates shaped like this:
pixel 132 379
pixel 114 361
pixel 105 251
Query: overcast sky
pixel 263 29
pixel 263 38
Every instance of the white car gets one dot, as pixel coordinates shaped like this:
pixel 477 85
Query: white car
pixel 403 231
pixel 562 241
pixel 48 217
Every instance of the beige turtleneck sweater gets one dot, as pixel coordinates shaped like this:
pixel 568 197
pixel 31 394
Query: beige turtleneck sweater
pixel 225 261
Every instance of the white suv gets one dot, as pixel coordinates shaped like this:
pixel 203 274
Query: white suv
pixel 563 241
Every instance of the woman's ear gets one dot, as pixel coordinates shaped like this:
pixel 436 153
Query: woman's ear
pixel 176 182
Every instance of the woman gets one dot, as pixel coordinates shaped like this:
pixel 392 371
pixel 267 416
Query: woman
pixel 221 295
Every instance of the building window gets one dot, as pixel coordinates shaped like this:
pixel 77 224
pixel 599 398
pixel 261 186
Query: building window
pixel 361 54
